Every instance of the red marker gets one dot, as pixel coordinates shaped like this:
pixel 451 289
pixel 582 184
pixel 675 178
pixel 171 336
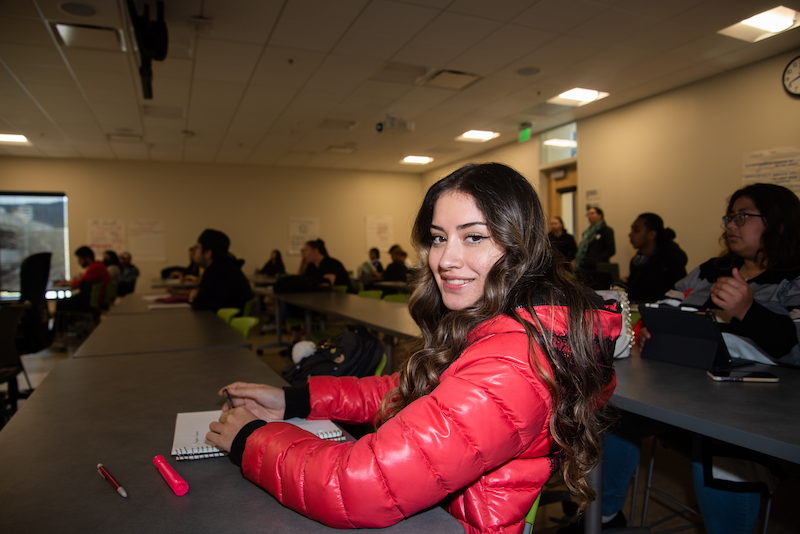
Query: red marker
pixel 106 475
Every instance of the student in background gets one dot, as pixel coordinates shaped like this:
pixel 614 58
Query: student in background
pixel 375 260
pixel 94 272
pixel 397 270
pixel 274 265
pixel 187 274
pixel 470 421
pixel 223 284
pixel 129 275
pixel 659 261
pixel 327 271
pixel 111 261
pixel 597 243
pixel 561 240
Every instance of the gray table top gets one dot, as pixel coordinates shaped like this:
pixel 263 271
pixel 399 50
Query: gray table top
pixel 177 330
pixel 758 416
pixel 140 304
pixel 121 412
pixel 388 317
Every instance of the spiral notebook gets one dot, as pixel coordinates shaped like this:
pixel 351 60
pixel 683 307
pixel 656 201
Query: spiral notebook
pixel 189 442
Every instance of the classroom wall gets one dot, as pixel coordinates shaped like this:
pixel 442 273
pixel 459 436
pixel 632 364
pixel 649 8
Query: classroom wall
pixel 252 204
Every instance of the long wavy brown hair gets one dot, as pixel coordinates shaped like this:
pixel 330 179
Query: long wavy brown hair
pixel 525 276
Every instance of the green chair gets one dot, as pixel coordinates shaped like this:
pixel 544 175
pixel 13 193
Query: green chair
pixel 531 516
pixel 248 307
pixel 381 365
pixel 226 314
pixel 397 297
pixel 110 295
pixel 244 324
pixel 339 289
pixel 371 293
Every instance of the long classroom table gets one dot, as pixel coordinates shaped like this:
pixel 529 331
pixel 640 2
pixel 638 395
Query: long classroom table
pixel 142 304
pixel 121 412
pixel 142 333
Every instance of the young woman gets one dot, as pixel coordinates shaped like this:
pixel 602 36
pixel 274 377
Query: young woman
pixel 507 384
pixel 111 261
pixel 659 261
pixel 756 283
pixel 561 240
pixel 274 265
pixel 321 269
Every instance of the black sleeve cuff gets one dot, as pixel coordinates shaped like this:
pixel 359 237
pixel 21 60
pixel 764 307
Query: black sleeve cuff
pixel 774 333
pixel 239 442
pixel 298 401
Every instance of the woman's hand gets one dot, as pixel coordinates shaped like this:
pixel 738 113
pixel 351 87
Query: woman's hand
pixel 644 335
pixel 733 294
pixel 230 423
pixel 265 402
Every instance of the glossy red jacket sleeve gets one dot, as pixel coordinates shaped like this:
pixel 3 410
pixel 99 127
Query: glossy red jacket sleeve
pixel 485 413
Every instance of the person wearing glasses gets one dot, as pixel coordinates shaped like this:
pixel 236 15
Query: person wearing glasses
pixel 755 282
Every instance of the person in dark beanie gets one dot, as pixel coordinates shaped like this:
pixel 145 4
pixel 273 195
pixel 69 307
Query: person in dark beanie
pixel 223 284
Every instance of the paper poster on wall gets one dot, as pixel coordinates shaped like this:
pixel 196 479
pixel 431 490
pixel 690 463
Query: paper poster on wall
pixel 106 234
pixel 380 233
pixel 147 239
pixel 302 229
pixel 779 166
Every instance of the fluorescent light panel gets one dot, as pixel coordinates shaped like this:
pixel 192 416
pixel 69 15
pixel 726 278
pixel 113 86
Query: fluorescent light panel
pixel 416 160
pixel 578 97
pixel 565 143
pixel 763 25
pixel 477 136
pixel 13 138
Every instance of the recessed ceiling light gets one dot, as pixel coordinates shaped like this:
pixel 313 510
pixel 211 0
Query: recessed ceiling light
pixel 477 136
pixel 565 143
pixel 416 160
pixel 764 25
pixel 578 97
pixel 13 138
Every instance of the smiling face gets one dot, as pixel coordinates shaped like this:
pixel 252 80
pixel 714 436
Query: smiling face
pixel 746 240
pixel 463 250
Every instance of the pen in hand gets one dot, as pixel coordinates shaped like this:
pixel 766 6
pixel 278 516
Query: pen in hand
pixel 106 475
pixel 228 398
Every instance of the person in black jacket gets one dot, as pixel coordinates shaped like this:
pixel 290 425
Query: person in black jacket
pixel 597 243
pixel 223 284
pixel 659 262
pixel 561 240
pixel 274 265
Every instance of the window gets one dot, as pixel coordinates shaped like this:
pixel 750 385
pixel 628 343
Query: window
pixel 32 223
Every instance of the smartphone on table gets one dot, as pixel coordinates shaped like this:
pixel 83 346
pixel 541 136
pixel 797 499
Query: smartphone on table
pixel 742 376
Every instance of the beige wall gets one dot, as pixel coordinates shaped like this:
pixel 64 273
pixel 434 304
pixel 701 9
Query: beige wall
pixel 251 204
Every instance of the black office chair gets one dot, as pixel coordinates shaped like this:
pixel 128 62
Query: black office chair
pixel 10 362
pixel 34 333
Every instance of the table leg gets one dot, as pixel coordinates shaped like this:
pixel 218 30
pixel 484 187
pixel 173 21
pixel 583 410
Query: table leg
pixel 308 325
pixel 594 515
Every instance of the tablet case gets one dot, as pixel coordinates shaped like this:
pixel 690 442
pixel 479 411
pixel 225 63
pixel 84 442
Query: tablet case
pixel 686 337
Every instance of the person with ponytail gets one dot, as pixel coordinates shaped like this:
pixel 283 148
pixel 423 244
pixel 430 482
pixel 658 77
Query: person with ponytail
pixel 659 261
pixel 507 384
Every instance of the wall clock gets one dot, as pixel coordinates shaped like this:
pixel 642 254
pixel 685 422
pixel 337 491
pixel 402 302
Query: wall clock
pixel 791 77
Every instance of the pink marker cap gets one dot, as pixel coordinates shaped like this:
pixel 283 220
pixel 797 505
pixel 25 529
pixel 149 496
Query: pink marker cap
pixel 174 480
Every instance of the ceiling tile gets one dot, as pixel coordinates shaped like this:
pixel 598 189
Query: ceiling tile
pixel 315 24
pixel 558 15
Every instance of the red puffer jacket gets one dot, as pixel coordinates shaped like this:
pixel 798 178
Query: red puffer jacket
pixel 479 441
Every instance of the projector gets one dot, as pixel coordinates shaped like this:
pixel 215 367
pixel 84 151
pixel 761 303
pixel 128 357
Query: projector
pixel 394 125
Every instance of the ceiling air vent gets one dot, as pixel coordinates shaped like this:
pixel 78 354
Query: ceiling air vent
pixel 452 79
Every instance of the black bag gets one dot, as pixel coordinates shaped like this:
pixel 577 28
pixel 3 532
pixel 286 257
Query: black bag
pixel 294 284
pixel 355 352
